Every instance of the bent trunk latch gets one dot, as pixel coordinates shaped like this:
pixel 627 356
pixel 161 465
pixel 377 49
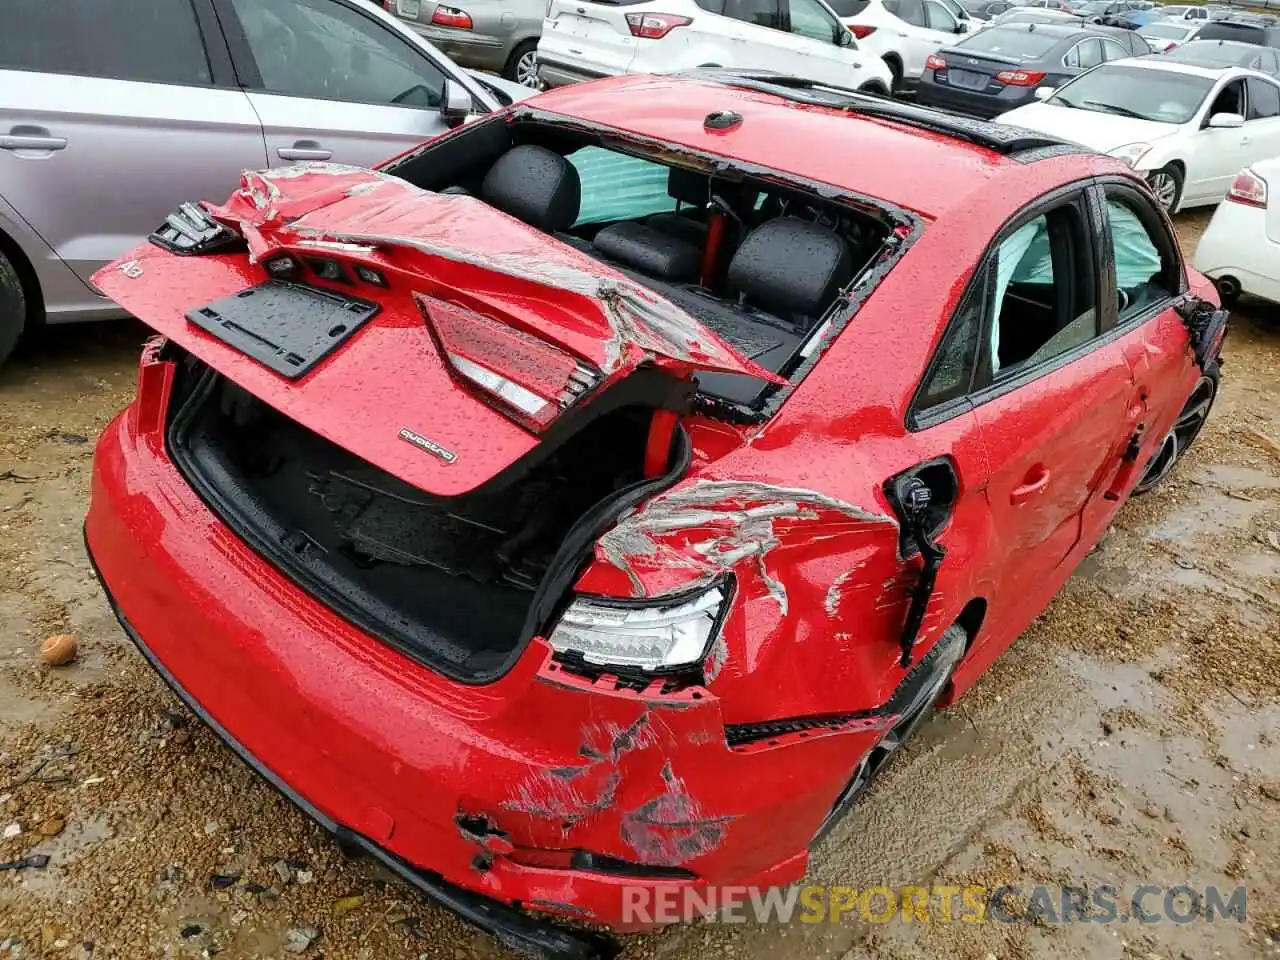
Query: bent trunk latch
pixel 913 501
pixel 1207 326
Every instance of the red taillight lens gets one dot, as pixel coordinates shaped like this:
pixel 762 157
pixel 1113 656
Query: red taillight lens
pixel 1248 188
pixel 451 17
pixel 934 62
pixel 655 26
pixel 1020 78
pixel 861 31
pixel 1172 46
pixel 389 6
pixel 526 378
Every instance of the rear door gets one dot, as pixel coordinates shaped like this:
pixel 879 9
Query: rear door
pixel 1052 395
pixel 918 39
pixel 111 113
pixel 810 41
pixel 330 81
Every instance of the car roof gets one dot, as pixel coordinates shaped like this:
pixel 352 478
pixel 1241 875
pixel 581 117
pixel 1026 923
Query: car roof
pixel 778 132
pixel 1206 48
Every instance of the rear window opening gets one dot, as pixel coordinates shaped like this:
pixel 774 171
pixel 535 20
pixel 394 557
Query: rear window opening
pixel 757 260
pixel 459 583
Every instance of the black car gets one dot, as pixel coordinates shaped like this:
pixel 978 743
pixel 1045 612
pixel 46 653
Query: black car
pixel 1227 53
pixel 1000 68
pixel 1241 32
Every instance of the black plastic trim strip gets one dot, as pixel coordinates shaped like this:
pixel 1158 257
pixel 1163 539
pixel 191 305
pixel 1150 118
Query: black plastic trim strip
pixel 510 927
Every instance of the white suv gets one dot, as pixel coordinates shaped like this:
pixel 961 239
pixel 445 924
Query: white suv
pixel 582 40
pixel 905 32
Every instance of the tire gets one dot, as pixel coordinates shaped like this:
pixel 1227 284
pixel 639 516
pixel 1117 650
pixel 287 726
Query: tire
pixel 1166 184
pixel 1186 428
pixel 914 702
pixel 1228 290
pixel 13 308
pixel 874 90
pixel 522 65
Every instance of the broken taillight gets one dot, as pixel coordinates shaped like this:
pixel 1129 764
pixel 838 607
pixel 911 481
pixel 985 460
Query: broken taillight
pixel 654 26
pixel 525 377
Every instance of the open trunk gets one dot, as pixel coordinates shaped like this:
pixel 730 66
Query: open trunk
pixel 461 583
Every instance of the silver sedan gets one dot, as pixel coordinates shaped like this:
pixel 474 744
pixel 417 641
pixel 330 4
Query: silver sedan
pixel 497 35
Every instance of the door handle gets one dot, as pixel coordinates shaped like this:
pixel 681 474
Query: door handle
pixel 304 150
pixel 22 141
pixel 1036 481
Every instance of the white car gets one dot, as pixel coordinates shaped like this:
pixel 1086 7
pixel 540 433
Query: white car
pixel 1165 35
pixel 1200 14
pixel 582 40
pixel 1187 128
pixel 904 33
pixel 1240 249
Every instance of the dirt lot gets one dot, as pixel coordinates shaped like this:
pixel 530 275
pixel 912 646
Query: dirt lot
pixel 1131 737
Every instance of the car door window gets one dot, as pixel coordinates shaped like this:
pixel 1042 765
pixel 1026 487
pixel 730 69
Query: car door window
pixel 1043 300
pixel 938 17
pixel 1264 100
pixel 326 50
pixel 763 13
pixel 1090 53
pixel 1230 99
pixel 810 19
pixel 910 11
pixel 1113 51
pixel 1267 62
pixel 1143 275
pixel 951 374
pixel 105 38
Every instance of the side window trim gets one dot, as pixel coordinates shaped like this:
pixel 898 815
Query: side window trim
pixel 221 66
pixel 981 390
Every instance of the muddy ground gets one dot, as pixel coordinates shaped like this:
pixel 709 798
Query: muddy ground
pixel 1131 737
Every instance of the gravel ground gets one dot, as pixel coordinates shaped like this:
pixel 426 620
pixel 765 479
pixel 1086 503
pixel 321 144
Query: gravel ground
pixel 1131 736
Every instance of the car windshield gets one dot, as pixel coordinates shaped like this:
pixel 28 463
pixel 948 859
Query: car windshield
pixel 1165 31
pixel 1014 41
pixel 1159 95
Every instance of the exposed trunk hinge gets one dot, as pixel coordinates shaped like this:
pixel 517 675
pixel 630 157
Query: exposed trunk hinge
pixel 913 500
pixel 1207 326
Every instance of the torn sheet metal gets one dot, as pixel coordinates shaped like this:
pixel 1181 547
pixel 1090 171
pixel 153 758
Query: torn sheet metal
pixel 347 209
pixel 694 533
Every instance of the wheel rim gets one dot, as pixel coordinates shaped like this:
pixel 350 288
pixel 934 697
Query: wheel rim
pixel 527 69
pixel 915 713
pixel 1165 189
pixel 1185 429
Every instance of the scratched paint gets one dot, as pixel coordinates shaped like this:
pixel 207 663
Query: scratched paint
pixel 720 524
pixel 672 828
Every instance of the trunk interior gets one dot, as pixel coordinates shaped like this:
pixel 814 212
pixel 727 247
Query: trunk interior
pixel 457 583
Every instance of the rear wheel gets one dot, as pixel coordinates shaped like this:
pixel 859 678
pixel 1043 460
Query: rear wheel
pixel 522 65
pixel 13 308
pixel 1185 430
pixel 874 90
pixel 1166 184
pixel 895 68
pixel 1228 290
pixel 917 696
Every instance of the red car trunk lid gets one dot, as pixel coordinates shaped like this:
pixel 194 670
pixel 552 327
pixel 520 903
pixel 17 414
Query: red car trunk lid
pixel 389 393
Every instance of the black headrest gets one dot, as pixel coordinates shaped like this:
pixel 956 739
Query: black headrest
pixel 535 185
pixel 687 186
pixel 790 267
pixel 650 251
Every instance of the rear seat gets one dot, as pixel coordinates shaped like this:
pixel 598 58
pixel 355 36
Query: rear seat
pixel 538 186
pixel 689 223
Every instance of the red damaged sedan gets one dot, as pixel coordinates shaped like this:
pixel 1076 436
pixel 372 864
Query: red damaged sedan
pixel 596 496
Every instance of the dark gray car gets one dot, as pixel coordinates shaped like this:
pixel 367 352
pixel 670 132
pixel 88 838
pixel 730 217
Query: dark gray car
pixel 1000 68
pixel 1227 53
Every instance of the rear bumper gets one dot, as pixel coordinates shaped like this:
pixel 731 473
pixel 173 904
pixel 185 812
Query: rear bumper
pixel 1236 244
pixel 458 784
pixel 509 926
pixel 969 102
pixel 555 74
